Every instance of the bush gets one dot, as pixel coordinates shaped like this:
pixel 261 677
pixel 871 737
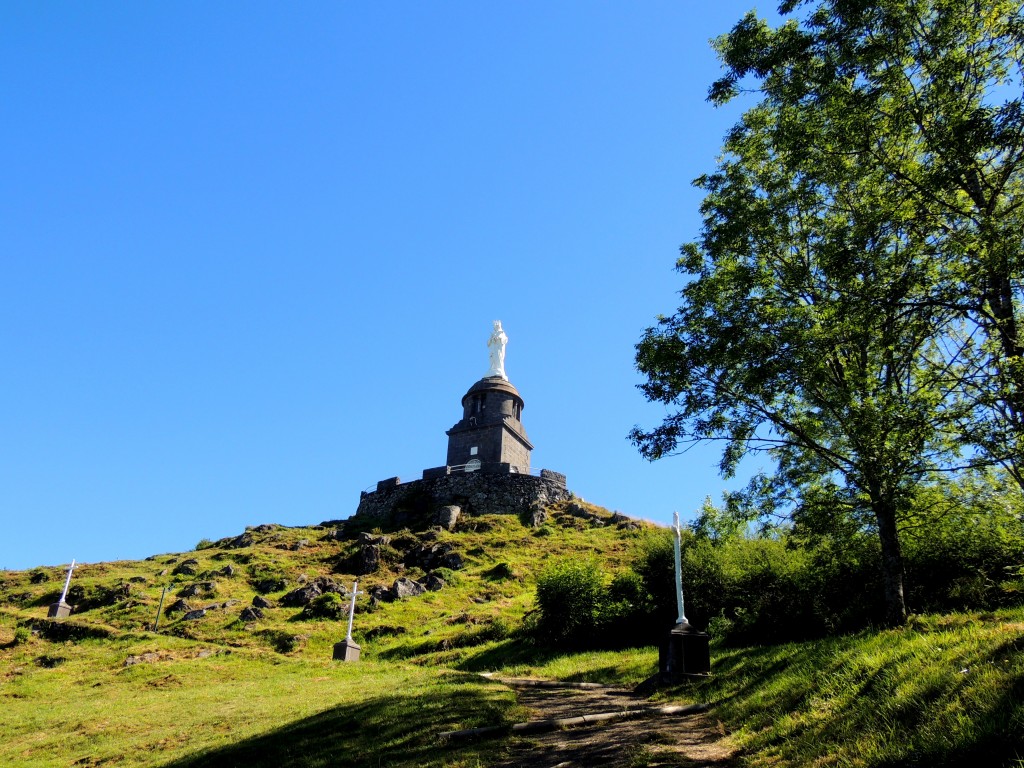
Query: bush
pixel 204 544
pixel 569 596
pixel 21 636
pixel 329 605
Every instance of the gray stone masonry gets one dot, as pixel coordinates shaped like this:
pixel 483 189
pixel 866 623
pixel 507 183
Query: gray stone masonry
pixel 491 428
pixel 493 490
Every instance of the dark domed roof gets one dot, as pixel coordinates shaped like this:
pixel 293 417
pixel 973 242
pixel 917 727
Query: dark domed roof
pixel 493 384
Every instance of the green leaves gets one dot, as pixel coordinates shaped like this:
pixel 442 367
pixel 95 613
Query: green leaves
pixel 852 304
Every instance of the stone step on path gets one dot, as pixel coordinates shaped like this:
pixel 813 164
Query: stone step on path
pixel 588 724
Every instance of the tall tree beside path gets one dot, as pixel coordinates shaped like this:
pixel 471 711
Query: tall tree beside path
pixel 851 307
pixel 928 92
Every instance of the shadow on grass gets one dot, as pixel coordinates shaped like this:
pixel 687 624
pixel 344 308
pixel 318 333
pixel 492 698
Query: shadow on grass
pixel 910 704
pixel 507 653
pixel 400 729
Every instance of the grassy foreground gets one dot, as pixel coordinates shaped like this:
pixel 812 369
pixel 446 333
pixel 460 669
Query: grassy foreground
pixel 79 704
pixel 220 691
pixel 942 691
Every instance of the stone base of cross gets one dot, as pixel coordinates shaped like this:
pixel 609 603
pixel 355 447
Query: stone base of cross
pixel 59 610
pixel 684 653
pixel 346 650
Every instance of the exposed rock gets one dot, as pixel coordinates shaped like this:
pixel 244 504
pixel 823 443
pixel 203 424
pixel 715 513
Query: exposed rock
pixel 263 528
pixel 327 584
pixel 261 602
pixel 164 572
pixel 370 538
pixel 227 570
pixel 186 567
pixel 303 578
pixel 431 556
pixel 433 582
pixel 177 606
pixel 144 658
pixel 448 516
pixel 302 596
pixel 576 509
pixel 403 588
pixel 200 587
pixel 452 561
pixel 252 613
pixel 363 561
pixel 300 544
pixel 243 540
pixel 138 579
pixel 193 615
pixel 306 594
pixel 335 534
pixel 228 603
pixel 538 515
pixel 267 586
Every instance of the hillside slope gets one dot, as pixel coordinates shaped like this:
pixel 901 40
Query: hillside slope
pixel 243 650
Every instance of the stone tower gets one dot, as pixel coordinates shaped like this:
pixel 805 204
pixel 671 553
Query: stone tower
pixel 491 431
pixel 488 466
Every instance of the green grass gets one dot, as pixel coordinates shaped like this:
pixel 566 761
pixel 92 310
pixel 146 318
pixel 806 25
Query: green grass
pixel 77 703
pixel 946 690
pixel 216 691
pixel 942 691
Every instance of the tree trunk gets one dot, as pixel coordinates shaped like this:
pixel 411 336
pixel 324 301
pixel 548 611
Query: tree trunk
pixel 892 561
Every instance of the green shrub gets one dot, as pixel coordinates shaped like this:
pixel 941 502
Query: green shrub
pixel 330 605
pixel 21 636
pixel 204 544
pixel 569 597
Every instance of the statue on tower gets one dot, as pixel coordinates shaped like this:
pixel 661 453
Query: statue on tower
pixel 496 350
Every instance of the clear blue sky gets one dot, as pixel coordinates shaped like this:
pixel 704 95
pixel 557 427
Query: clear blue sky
pixel 250 252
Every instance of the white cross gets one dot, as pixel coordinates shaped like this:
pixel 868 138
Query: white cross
pixel 67 583
pixel 352 610
pixel 679 569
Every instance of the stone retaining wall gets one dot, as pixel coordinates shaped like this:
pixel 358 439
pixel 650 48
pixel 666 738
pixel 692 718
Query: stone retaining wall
pixel 475 493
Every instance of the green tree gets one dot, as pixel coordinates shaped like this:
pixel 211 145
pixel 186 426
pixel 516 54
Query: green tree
pixel 852 309
pixel 926 93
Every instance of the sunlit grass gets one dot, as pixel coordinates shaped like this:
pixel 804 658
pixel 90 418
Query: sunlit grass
pixel 945 690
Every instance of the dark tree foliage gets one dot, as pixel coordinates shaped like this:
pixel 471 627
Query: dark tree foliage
pixel 852 301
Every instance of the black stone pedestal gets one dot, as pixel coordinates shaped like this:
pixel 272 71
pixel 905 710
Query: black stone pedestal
pixel 59 610
pixel 684 653
pixel 346 650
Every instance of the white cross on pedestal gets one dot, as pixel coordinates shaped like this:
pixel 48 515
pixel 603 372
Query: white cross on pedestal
pixel 681 620
pixel 348 649
pixel 352 610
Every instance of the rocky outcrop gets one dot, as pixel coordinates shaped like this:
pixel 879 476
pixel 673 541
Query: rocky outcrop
pixel 304 595
pixel 448 516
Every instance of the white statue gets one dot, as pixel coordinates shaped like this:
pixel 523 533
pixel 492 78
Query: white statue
pixel 496 349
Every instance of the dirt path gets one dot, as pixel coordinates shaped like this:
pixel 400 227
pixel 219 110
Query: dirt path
pixel 690 740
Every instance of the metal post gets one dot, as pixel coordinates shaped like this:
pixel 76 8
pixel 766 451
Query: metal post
pixel 159 608
pixel 67 583
pixel 681 620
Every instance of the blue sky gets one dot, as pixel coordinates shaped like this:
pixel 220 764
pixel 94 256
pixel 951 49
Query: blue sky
pixel 250 252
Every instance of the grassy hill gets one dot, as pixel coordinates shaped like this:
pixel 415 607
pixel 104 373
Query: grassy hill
pixel 102 688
